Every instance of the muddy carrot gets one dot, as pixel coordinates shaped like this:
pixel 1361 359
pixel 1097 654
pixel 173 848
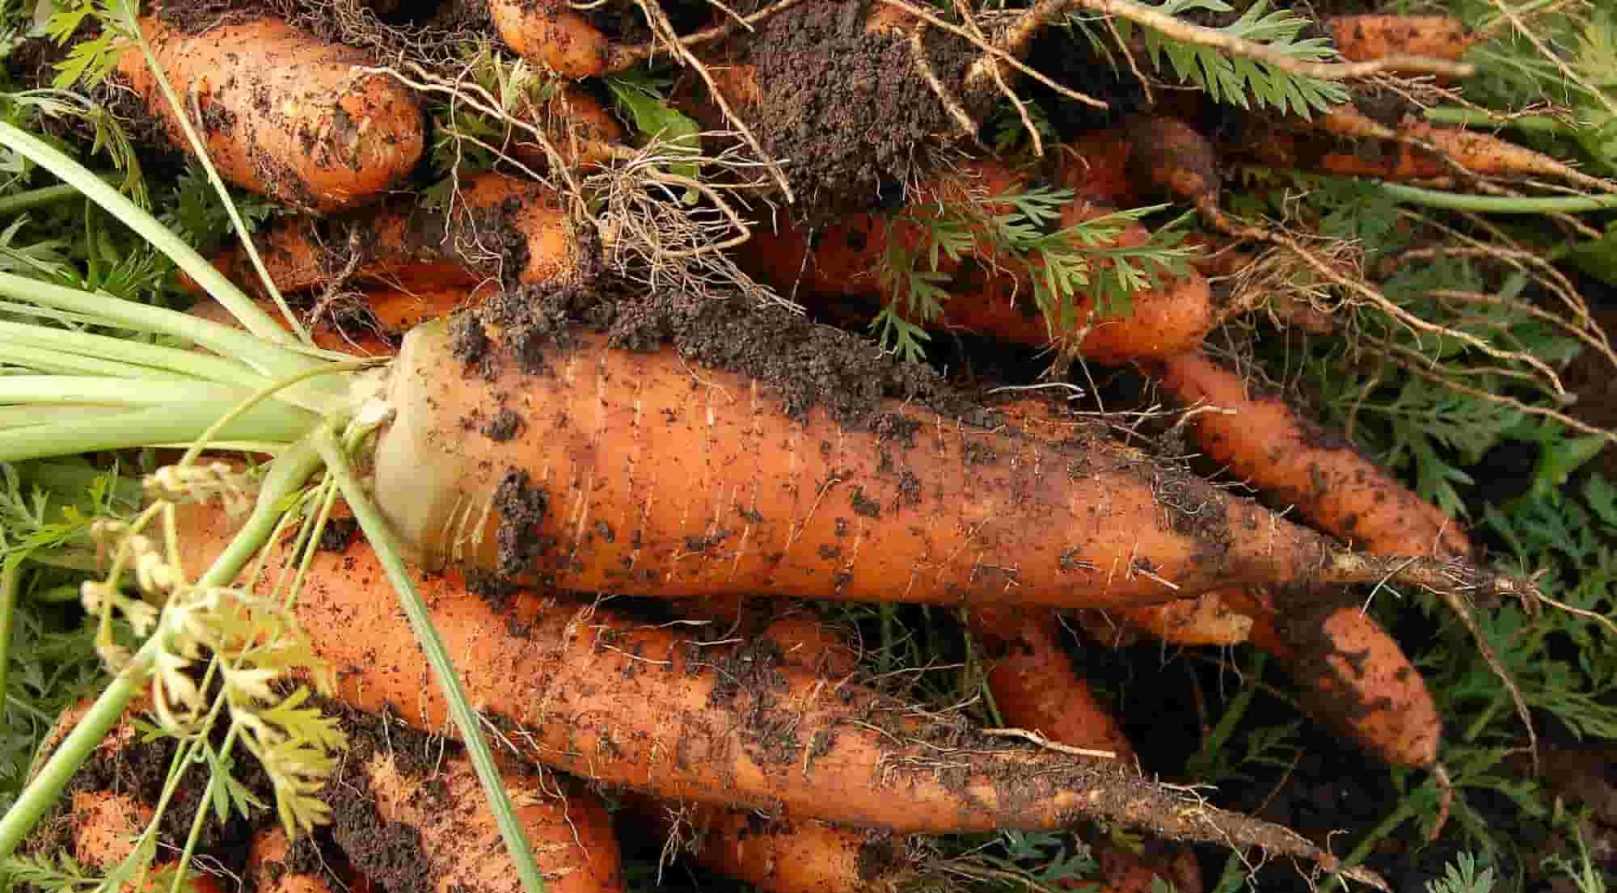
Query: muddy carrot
pixel 1364 38
pixel 282 112
pixel 623 702
pixel 496 227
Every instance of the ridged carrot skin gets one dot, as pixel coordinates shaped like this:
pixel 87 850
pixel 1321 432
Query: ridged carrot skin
pixel 552 33
pixel 1294 462
pixel 616 700
pixel 708 488
pixel 283 113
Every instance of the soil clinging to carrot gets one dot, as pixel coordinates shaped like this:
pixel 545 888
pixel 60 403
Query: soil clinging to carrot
pixel 847 111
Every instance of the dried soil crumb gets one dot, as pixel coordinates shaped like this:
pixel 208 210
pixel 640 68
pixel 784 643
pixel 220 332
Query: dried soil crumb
pixel 505 425
pixel 522 507
pixel 848 110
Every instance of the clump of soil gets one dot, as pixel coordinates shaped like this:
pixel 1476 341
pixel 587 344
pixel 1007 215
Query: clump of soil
pixel 848 111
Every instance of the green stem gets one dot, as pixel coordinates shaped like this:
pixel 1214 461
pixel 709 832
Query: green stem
pixel 48 389
pixel 33 198
pixel 62 363
pixel 221 339
pixel 212 432
pixel 150 229
pixel 151 426
pixel 1500 204
pixel 126 351
pixel 200 150
pixel 10 575
pixel 1464 117
pixel 284 478
pixel 386 547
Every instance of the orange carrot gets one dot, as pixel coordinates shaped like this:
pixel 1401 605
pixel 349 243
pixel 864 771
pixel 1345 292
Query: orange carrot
pixel 1296 463
pixel 460 848
pixel 1365 38
pixel 272 867
pixel 616 700
pixel 986 295
pixel 552 33
pixel 282 112
pixel 963 515
pixel 1204 620
pixel 408 247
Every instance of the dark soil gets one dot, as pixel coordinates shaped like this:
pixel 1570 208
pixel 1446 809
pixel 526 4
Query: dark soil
pixel 846 110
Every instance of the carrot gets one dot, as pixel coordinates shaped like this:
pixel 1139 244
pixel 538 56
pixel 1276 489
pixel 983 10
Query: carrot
pixel 846 259
pixel 624 703
pixel 459 843
pixel 497 226
pixel 282 112
pixel 577 125
pixel 1354 676
pixel 552 33
pixel 1350 674
pixel 1295 463
pixel 963 515
pixel 777 855
pixel 1168 157
pixel 1365 38
pixel 272 866
pixel 1206 619
pixel 1353 672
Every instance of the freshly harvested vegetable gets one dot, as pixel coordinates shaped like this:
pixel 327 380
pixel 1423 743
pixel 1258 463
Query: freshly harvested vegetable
pixel 497 227
pixel 1364 38
pixel 552 33
pixel 1350 674
pixel 987 294
pixel 624 703
pixel 1296 463
pixel 273 868
pixel 1353 675
pixel 282 112
pixel 716 492
pixel 459 844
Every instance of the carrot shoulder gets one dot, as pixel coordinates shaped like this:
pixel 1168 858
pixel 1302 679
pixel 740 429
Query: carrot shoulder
pixel 282 112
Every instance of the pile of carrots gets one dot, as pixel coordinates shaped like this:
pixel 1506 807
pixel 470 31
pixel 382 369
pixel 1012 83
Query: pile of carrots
pixel 527 469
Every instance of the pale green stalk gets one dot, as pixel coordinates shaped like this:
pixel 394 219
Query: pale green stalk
pixel 133 353
pixel 1500 204
pixel 47 389
pixel 146 427
pixel 149 228
pixel 64 363
pixel 252 401
pixel 221 339
pixel 33 198
pixel 199 149
pixel 285 477
pixel 383 543
pixel 10 572
pixel 14 417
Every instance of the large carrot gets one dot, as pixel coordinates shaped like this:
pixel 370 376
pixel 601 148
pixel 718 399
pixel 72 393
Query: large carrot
pixel 621 702
pixel 282 112
pixel 637 477
pixel 989 294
